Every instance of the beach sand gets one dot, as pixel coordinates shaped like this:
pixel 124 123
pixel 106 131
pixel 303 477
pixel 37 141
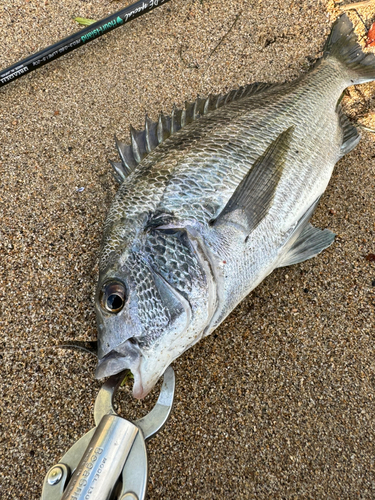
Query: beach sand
pixel 279 401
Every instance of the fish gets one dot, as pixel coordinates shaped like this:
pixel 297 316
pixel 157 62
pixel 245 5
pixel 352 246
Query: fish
pixel 212 199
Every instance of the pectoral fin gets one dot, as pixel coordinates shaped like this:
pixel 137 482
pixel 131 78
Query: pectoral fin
pixel 310 243
pixel 253 197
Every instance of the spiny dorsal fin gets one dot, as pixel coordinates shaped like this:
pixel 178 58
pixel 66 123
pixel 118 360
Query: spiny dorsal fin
pixel 118 171
pixel 175 120
pixel 138 144
pixel 154 133
pixel 163 128
pixel 252 198
pixel 126 155
pixel 151 134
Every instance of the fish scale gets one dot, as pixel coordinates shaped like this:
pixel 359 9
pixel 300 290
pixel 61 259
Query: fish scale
pixel 168 254
pixel 150 307
pixel 212 200
pixel 260 134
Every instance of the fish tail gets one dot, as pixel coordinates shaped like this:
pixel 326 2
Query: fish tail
pixel 342 45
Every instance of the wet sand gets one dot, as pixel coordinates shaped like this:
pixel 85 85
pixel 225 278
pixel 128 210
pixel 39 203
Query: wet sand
pixel 279 401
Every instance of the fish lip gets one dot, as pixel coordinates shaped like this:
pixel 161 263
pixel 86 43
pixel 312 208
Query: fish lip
pixel 113 363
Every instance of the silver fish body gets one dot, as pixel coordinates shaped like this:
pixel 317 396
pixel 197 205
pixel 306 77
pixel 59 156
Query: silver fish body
pixel 212 202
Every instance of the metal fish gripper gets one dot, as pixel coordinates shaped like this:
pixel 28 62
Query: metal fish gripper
pixel 110 461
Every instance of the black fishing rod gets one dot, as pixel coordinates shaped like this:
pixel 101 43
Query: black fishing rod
pixel 74 41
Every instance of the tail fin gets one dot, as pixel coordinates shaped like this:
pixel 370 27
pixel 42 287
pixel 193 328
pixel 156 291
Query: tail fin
pixel 342 45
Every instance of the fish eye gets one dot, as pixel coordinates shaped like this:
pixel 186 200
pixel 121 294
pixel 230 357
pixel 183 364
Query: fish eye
pixel 113 296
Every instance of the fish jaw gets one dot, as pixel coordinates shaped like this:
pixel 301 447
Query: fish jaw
pixel 126 356
pixel 156 360
pixel 145 370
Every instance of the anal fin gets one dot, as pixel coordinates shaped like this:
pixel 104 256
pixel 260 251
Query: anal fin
pixel 310 243
pixel 351 136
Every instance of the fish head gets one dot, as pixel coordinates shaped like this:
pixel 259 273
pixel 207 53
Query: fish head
pixel 144 309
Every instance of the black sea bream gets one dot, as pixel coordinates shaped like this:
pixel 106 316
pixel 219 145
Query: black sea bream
pixel 212 199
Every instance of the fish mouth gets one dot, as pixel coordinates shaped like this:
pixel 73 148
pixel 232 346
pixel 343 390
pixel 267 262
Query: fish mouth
pixel 115 362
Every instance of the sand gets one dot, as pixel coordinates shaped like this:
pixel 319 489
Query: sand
pixel 279 402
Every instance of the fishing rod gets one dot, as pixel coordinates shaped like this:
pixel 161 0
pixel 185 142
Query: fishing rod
pixel 76 40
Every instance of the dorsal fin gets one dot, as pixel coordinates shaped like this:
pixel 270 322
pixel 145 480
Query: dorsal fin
pixel 176 120
pixel 154 133
pixel 151 134
pixel 163 128
pixel 118 171
pixel 138 144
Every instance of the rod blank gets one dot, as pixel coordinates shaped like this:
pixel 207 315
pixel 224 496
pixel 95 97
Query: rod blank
pixel 76 40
